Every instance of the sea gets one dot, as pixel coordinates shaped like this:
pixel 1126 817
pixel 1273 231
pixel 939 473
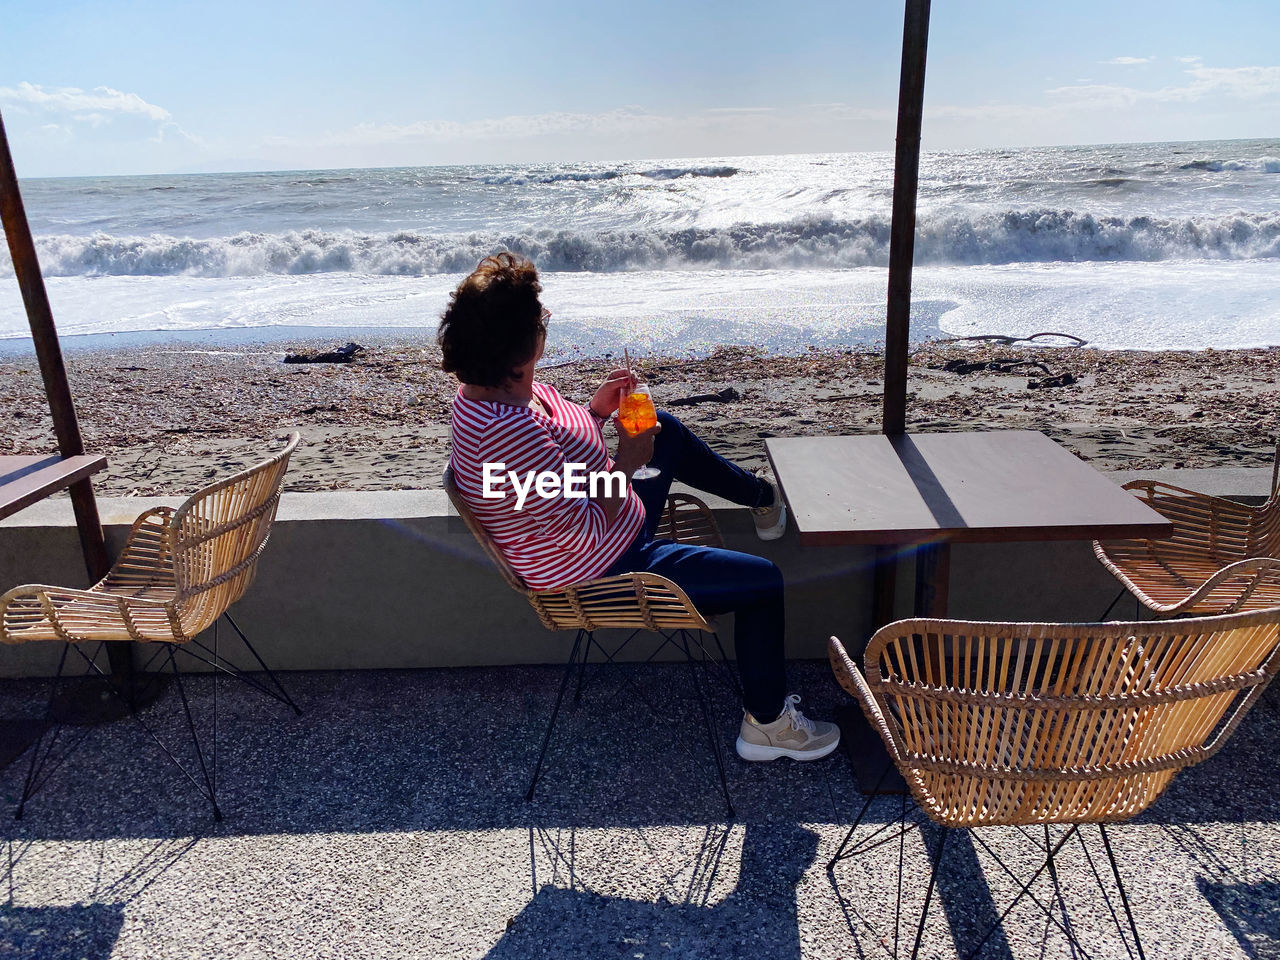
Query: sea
pixel 1129 246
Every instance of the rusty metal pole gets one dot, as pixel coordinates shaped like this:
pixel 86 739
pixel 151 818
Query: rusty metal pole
pixel 902 242
pixel 902 231
pixel 26 267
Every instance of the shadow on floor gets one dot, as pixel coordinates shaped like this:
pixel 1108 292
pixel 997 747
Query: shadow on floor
pixel 452 749
pixel 757 919
pixel 1251 911
pixel 77 932
pixel 415 750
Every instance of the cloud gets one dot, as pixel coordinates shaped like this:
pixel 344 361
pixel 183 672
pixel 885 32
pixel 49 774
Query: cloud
pixel 845 111
pixel 68 110
pixel 94 105
pixel 986 111
pixel 1188 59
pixel 1127 61
pixel 164 131
pixel 1247 83
pixel 622 120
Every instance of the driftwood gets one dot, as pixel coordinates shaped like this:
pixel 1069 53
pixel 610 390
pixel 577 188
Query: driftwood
pixel 343 354
pixel 998 365
pixel 1011 365
pixel 727 395
pixel 1060 380
pixel 1009 341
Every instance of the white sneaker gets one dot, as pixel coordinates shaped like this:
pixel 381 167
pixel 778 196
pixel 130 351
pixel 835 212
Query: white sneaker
pixel 771 521
pixel 792 735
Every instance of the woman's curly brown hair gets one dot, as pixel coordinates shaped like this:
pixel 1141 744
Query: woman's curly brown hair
pixel 493 321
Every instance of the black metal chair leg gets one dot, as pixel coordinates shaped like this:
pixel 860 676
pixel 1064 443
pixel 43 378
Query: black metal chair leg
pixel 582 670
pixel 733 674
pixel 249 646
pixel 1111 605
pixel 1106 897
pixel 928 894
pixel 1124 897
pixel 209 782
pixel 709 719
pixel 207 790
pixel 213 679
pixel 1026 889
pixel 33 769
pixel 555 711
pixel 839 855
pixel 902 850
pixel 1057 889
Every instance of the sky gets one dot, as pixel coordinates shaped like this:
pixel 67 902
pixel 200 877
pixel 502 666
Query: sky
pixel 138 87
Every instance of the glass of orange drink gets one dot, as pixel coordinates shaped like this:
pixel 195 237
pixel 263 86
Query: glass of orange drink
pixel 637 414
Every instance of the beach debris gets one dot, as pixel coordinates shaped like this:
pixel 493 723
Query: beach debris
pixel 998 365
pixel 343 354
pixel 1060 380
pixel 727 395
pixel 842 398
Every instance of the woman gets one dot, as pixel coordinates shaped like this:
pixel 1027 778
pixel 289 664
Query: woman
pixel 492 336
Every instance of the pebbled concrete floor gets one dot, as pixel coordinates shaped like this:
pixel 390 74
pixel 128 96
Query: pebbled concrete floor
pixel 388 821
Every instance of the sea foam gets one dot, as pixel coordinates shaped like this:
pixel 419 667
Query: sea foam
pixel 1014 236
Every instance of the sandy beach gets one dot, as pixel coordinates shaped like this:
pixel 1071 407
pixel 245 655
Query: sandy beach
pixel 171 418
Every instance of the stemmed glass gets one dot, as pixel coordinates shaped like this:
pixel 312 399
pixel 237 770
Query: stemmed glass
pixel 636 414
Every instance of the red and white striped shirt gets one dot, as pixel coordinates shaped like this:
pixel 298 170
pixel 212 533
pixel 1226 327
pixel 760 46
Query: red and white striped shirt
pixel 553 541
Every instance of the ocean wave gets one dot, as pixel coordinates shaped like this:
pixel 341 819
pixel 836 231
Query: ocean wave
pixel 323 181
pixel 1260 165
pixel 1014 236
pixel 586 176
pixel 675 173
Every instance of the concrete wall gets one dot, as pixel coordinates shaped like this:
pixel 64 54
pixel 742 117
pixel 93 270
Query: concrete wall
pixel 393 579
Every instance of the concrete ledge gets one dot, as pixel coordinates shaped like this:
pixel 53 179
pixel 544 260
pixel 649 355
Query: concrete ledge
pixel 393 579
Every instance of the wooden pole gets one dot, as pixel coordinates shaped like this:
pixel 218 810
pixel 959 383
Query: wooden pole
pixel 902 231
pixel 26 267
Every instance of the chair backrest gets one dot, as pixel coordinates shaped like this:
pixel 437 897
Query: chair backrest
pixel 1034 723
pixel 218 535
pixel 513 579
pixel 1268 533
pixel 687 519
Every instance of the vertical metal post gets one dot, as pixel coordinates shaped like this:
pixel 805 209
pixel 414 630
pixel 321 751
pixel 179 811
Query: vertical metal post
pixel 885 586
pixel 26 267
pixel 902 231
pixel 933 577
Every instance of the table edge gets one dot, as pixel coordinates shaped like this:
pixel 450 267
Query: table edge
pixel 82 466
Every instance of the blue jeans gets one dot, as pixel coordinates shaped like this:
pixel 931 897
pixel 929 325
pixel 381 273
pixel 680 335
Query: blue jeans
pixel 717 581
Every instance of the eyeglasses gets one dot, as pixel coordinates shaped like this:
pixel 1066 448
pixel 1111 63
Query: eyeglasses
pixel 546 315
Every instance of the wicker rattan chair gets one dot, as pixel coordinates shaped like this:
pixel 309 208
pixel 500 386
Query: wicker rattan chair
pixel 637 602
pixel 177 575
pixel 1032 723
pixel 1223 557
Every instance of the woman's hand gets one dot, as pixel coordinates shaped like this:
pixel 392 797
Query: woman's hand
pixel 616 385
pixel 634 451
